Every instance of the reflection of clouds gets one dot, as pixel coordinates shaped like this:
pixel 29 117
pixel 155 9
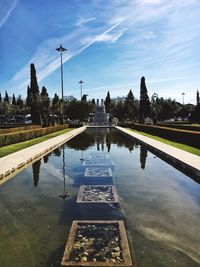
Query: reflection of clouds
pixel 169 214
pixel 56 173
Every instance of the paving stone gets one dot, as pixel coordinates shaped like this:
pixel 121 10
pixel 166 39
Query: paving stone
pixel 98 172
pixel 97 243
pixel 97 194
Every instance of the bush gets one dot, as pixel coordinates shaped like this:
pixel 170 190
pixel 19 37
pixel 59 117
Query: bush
pixel 16 137
pixel 191 138
pixel 180 126
pixel 18 129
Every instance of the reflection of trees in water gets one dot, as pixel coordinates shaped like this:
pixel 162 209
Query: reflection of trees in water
pixel 143 156
pixel 57 152
pixel 36 171
pixel 101 137
pixel 46 158
pixel 120 140
pixel 82 141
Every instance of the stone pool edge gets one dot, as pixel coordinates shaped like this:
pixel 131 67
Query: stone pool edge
pixel 12 164
pixel 188 161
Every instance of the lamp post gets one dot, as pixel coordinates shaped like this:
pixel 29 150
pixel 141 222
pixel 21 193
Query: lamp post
pixel 81 82
pixel 61 50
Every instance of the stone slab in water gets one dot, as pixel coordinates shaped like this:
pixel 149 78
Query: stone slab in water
pixel 97 243
pixel 97 194
pixel 98 172
pixel 98 162
pixel 98 155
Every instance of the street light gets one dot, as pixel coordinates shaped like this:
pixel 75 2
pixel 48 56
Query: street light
pixel 61 50
pixel 81 82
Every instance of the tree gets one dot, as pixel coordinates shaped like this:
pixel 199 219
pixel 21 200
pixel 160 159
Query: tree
pixel 55 108
pixel 29 98
pixel 197 97
pixel 33 96
pixel 14 100
pixel 130 106
pixel 107 102
pixel 45 106
pixel 20 102
pixel 144 105
pixel 6 98
pixel 0 98
pixel 84 98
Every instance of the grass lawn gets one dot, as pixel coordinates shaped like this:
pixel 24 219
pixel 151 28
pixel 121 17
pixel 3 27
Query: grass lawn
pixel 4 151
pixel 190 149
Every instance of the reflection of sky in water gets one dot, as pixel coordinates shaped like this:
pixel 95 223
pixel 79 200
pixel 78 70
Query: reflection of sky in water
pixel 161 206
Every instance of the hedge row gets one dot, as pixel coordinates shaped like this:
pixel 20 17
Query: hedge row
pixel 181 126
pixel 19 129
pixel 191 138
pixel 12 138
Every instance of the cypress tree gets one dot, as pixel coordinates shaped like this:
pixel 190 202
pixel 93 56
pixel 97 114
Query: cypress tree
pixel 34 96
pixel 0 98
pixel 197 97
pixel 56 105
pixel 6 98
pixel 107 102
pixel 45 105
pixel 144 105
pixel 20 102
pixel 14 100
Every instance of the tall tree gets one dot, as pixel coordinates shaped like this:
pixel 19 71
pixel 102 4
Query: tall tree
pixel 84 98
pixel 0 98
pixel 107 102
pixel 14 100
pixel 197 97
pixel 45 106
pixel 6 98
pixel 56 105
pixel 144 105
pixel 130 107
pixel 29 98
pixel 35 99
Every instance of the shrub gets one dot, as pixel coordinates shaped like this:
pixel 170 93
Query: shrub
pixel 191 138
pixel 16 137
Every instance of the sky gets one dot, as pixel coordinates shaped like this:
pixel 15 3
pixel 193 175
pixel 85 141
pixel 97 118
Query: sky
pixel 110 45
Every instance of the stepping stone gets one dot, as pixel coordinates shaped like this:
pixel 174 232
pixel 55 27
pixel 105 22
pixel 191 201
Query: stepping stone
pixel 98 155
pixel 97 194
pixel 98 162
pixel 98 172
pixel 97 243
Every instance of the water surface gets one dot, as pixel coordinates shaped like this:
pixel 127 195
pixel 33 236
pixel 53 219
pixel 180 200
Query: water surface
pixel 159 204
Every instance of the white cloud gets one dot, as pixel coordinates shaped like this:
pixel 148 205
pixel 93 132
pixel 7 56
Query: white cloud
pixel 47 62
pixel 8 13
pixel 81 21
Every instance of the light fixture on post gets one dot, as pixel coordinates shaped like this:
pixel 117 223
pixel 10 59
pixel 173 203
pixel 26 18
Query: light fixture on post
pixel 61 50
pixel 81 82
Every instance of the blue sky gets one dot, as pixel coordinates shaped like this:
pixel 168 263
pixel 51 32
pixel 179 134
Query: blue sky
pixel 110 45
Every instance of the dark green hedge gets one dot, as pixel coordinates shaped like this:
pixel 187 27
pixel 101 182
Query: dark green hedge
pixel 180 126
pixel 191 138
pixel 12 138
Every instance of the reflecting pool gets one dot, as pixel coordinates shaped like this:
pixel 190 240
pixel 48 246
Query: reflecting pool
pixel 159 204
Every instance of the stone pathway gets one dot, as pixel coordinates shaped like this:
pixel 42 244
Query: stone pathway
pixel 12 164
pixel 187 160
